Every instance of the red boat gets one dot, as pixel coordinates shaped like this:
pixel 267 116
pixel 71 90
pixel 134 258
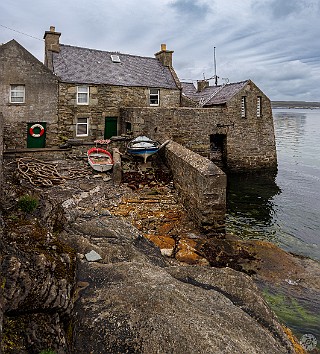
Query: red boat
pixel 99 159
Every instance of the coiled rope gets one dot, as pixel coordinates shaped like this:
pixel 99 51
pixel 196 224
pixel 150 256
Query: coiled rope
pixel 46 174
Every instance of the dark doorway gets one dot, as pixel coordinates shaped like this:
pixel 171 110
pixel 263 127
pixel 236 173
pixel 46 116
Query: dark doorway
pixel 218 149
pixel 110 127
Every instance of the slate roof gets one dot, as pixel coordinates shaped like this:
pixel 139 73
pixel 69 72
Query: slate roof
pixel 90 66
pixel 219 95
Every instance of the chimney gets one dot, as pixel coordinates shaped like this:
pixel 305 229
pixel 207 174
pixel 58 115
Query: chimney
pixel 51 40
pixel 165 56
pixel 202 84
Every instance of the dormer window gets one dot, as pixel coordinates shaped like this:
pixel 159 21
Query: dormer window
pixel 154 97
pixel 83 95
pixel 17 94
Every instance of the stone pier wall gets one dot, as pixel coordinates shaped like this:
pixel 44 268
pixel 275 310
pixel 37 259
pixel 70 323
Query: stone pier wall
pixel 249 144
pixel 201 186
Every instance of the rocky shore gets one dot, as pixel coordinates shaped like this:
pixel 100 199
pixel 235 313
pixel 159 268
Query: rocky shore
pixel 98 268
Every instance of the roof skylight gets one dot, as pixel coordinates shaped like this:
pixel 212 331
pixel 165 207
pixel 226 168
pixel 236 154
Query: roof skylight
pixel 115 58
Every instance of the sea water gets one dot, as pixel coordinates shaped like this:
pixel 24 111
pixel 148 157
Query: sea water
pixel 283 208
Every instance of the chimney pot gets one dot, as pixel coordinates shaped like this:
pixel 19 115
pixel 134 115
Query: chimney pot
pixel 52 29
pixel 165 56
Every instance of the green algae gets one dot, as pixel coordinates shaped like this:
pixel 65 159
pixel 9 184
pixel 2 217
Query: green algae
pixel 294 314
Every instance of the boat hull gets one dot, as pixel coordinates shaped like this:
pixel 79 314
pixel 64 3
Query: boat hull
pixel 99 159
pixel 143 147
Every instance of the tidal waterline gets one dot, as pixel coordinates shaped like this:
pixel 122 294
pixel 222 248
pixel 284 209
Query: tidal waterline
pixel 283 208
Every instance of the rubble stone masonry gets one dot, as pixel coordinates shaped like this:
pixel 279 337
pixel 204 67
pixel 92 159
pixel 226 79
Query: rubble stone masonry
pixel 1 156
pixel 104 101
pixel 249 142
pixel 201 186
pixel 19 67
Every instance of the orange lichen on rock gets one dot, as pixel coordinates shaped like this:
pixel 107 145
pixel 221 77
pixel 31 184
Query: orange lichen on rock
pixel 297 346
pixel 187 252
pixel 163 242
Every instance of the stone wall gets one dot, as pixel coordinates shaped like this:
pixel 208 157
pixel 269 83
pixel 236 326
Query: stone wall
pixel 249 143
pixel 19 67
pixel 251 140
pixel 104 101
pixel 1 157
pixel 201 186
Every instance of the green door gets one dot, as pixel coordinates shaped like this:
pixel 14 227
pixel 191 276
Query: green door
pixel 36 135
pixel 110 127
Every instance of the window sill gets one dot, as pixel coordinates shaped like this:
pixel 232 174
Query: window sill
pixel 16 104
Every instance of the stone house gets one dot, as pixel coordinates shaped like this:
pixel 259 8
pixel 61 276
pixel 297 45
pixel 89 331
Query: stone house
pixel 230 124
pixel 88 94
pixel 29 94
pixel 94 85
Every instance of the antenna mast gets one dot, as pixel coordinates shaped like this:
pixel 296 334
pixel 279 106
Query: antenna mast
pixel 215 67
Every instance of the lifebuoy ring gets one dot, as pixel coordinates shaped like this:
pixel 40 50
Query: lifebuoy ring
pixel 33 134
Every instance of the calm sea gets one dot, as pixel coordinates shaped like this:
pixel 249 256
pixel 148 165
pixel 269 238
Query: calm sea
pixel 283 208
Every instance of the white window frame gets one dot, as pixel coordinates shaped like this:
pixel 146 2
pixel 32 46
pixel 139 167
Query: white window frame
pixel 154 94
pixel 17 94
pixel 243 107
pixel 83 92
pixel 81 124
pixel 259 107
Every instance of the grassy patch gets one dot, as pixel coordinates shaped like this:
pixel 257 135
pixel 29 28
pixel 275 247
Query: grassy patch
pixel 28 203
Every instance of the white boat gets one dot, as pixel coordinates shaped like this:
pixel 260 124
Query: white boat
pixel 143 146
pixel 99 159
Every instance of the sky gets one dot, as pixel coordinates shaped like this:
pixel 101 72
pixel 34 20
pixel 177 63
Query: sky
pixel 275 43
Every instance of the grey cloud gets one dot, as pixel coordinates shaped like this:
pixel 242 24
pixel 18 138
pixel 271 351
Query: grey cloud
pixel 286 7
pixel 271 42
pixel 191 8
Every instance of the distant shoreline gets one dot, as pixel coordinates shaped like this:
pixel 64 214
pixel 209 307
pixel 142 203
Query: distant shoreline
pixel 295 104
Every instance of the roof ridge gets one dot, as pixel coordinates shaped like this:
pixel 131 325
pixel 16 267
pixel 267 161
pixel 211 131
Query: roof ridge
pixel 107 51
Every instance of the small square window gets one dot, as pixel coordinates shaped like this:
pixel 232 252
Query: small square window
pixel 17 93
pixel 83 95
pixel 82 128
pixel 154 97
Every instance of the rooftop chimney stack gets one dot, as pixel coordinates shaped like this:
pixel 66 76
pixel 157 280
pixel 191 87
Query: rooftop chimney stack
pixel 165 56
pixel 51 40
pixel 202 84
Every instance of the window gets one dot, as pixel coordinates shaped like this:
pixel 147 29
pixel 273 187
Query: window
pixel 128 128
pixel 17 94
pixel 258 106
pixel 154 97
pixel 82 94
pixel 243 107
pixel 115 58
pixel 82 128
